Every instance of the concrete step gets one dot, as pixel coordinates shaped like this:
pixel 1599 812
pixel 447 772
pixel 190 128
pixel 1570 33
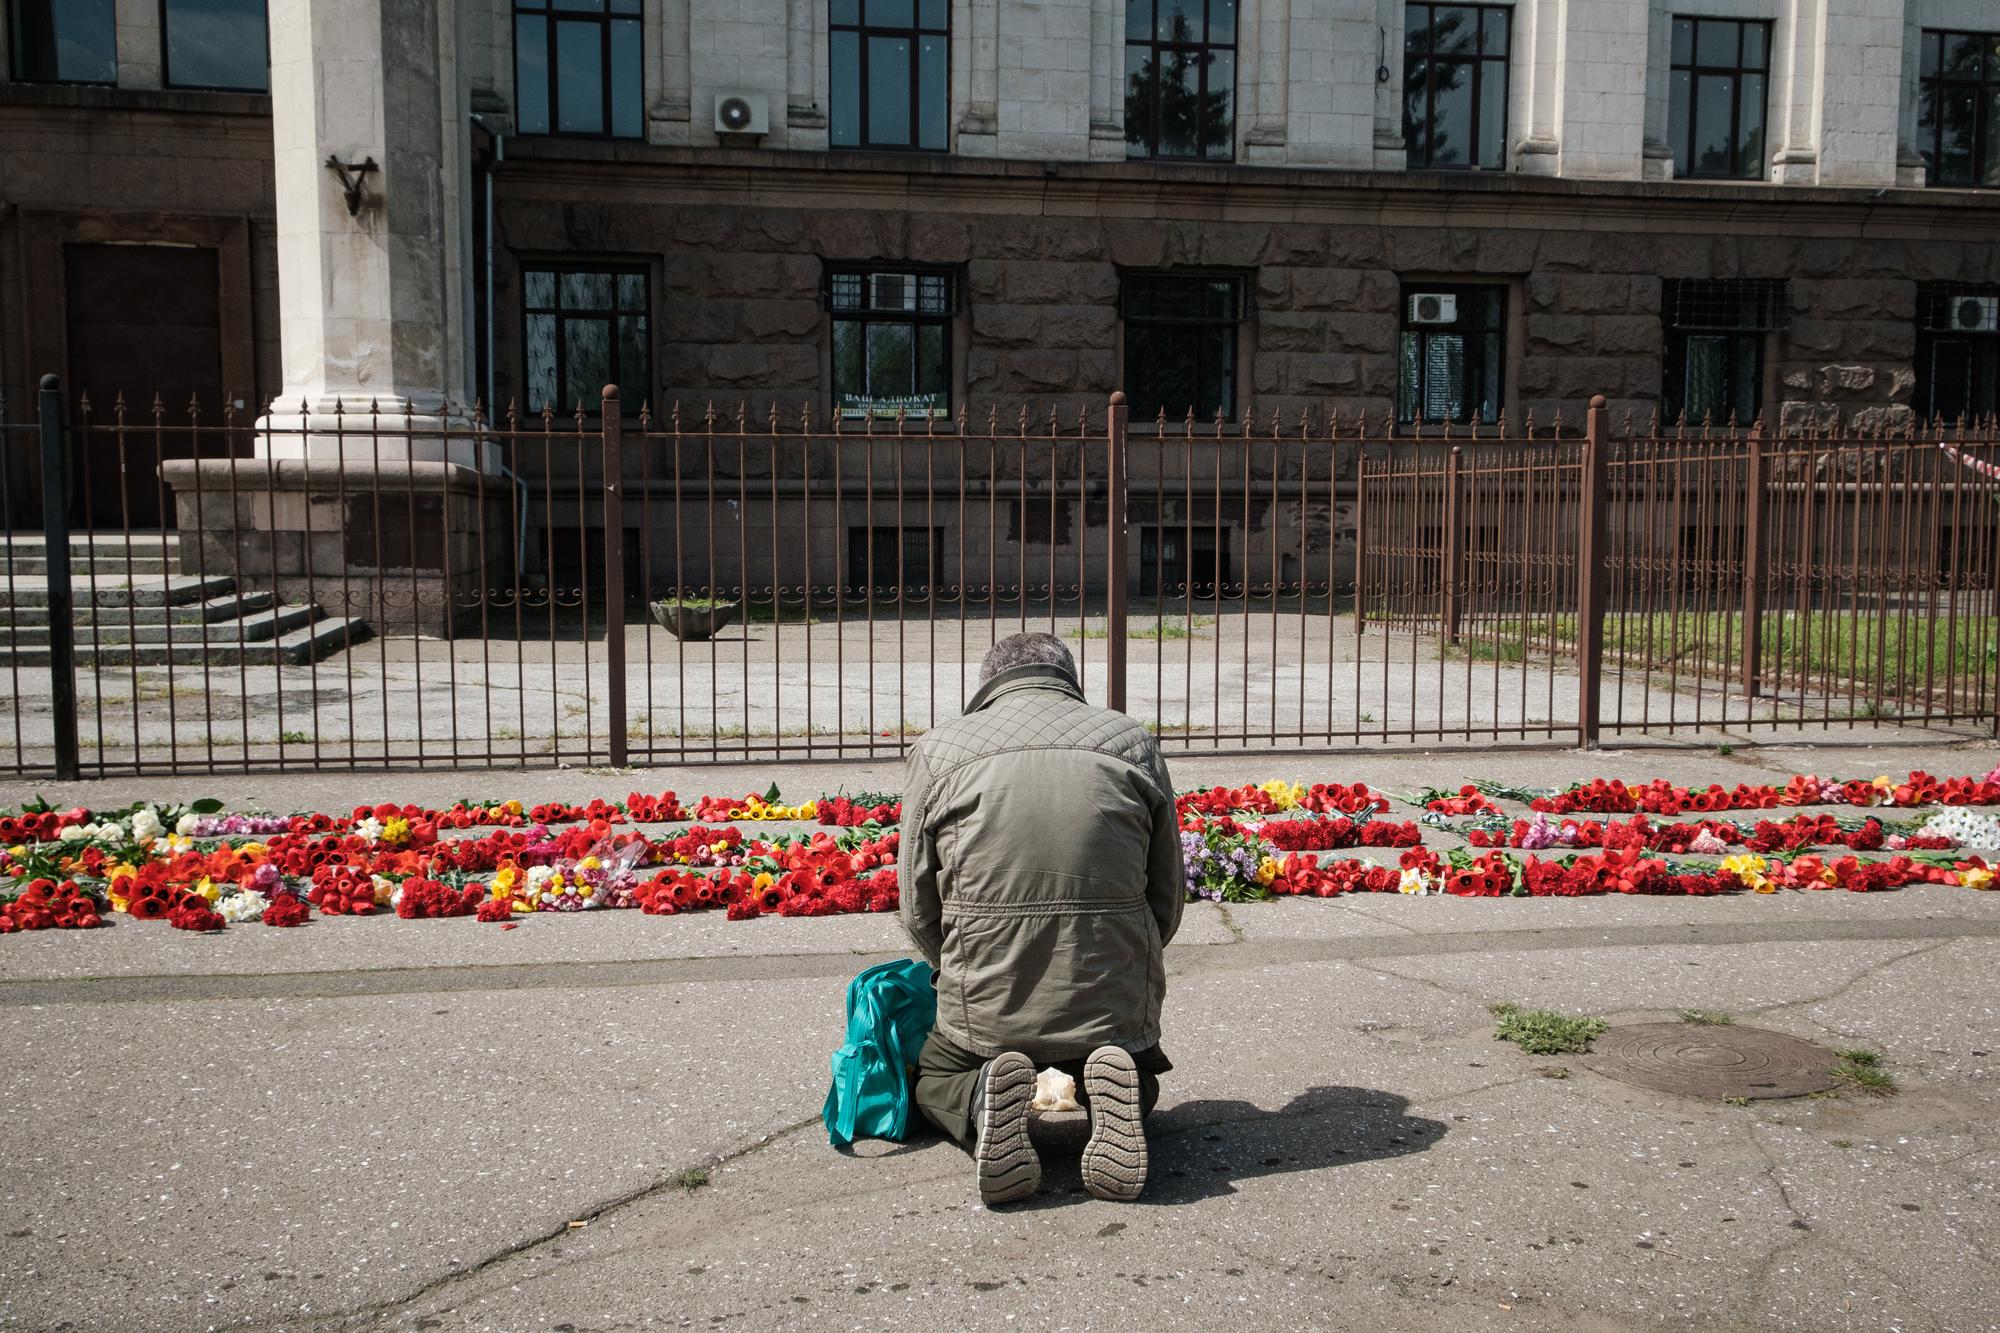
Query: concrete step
pixel 253 622
pixel 35 619
pixel 309 641
pixel 104 590
pixel 109 563
pixel 36 539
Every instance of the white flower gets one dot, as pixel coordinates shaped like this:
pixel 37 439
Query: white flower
pixel 146 825
pixel 1966 827
pixel 76 832
pixel 369 829
pixel 187 824
pixel 1410 881
pixel 242 907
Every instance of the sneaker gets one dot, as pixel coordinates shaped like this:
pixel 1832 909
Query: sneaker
pixel 1114 1161
pixel 1009 1168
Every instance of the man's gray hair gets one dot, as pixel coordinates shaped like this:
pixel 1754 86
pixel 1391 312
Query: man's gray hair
pixel 1018 650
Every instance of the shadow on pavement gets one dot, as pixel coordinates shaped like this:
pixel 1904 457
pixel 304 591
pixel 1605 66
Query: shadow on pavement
pixel 1204 1149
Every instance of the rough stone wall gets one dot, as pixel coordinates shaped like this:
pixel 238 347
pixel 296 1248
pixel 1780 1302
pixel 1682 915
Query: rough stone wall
pixel 738 315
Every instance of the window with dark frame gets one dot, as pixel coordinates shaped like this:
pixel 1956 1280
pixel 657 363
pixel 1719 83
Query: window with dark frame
pixel 1717 331
pixel 1452 354
pixel 1958 108
pixel 1181 332
pixel 1958 352
pixel 1718 86
pixel 584 327
pixel 216 44
pixel 1455 86
pixel 891 340
pixel 1180 79
pixel 891 74
pixel 63 41
pixel 579 68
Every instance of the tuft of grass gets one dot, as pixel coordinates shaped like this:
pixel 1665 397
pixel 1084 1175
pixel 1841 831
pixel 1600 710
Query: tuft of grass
pixel 1553 1071
pixel 1862 1070
pixel 1707 1018
pixel 691 1179
pixel 294 738
pixel 1544 1031
pixel 1735 1101
pixel 1843 1143
pixel 1168 627
pixel 1725 749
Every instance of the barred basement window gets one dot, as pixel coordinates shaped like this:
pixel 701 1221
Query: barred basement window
pixel 1716 97
pixel 223 44
pixel 64 41
pixel 1180 343
pixel 1958 108
pixel 1180 79
pixel 1716 331
pixel 577 68
pixel 584 328
pixel 1958 352
pixel 891 73
pixel 1455 86
pixel 891 340
pixel 1452 354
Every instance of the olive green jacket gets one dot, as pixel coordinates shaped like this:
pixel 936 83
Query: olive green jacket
pixel 1041 870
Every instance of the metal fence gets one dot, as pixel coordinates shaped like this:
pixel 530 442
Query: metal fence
pixel 343 586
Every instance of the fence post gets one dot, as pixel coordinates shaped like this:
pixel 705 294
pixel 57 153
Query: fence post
pixel 61 603
pixel 1454 545
pixel 1360 546
pixel 1590 577
pixel 614 575
pixel 1756 566
pixel 1115 555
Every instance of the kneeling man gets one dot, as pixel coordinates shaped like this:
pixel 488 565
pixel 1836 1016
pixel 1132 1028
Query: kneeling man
pixel 1041 875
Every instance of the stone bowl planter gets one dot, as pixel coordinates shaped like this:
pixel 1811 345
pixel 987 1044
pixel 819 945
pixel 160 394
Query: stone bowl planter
pixel 692 622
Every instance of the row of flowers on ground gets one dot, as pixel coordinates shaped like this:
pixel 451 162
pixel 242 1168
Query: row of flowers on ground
pixel 181 865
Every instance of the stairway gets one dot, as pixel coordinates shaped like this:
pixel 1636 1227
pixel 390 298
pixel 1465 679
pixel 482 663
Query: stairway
pixel 133 609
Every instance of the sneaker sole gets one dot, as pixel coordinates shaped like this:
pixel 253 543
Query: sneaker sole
pixel 1009 1167
pixel 1115 1159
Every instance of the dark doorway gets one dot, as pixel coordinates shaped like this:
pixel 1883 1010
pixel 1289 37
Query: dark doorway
pixel 1174 562
pixel 142 320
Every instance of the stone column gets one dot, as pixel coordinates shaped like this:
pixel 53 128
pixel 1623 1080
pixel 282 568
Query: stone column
pixel 369 487
pixel 371 303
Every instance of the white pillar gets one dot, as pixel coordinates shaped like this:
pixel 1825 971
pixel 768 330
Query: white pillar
pixel 371 304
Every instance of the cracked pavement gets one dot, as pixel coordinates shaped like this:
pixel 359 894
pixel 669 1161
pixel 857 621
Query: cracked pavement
pixel 377 1124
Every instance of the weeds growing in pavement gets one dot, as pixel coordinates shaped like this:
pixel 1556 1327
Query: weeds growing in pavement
pixel 1707 1018
pixel 1862 1070
pixel 1544 1031
pixel 691 1179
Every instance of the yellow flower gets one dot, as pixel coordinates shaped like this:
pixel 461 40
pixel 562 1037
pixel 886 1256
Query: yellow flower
pixel 763 881
pixel 119 870
pixel 589 863
pixel 1267 870
pixel 18 849
pixel 1973 877
pixel 208 889
pixel 718 847
pixel 1286 795
pixel 512 807
pixel 810 810
pixel 396 830
pixel 1411 880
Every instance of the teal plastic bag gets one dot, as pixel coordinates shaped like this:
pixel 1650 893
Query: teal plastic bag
pixel 890 1009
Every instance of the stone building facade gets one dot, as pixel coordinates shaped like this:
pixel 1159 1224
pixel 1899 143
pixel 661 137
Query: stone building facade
pixel 1424 212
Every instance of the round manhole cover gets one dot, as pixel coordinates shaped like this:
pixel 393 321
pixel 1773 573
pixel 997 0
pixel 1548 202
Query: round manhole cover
pixel 1712 1061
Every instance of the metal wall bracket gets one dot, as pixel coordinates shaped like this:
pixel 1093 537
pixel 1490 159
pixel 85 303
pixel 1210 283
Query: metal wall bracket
pixel 352 176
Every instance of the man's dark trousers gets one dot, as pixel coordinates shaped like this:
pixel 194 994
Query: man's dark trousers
pixel 948 1077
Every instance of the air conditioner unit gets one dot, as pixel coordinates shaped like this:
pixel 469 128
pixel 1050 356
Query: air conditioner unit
pixel 742 113
pixel 1976 314
pixel 892 291
pixel 1434 308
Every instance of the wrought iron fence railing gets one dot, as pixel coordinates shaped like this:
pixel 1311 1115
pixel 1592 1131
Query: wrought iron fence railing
pixel 352 586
